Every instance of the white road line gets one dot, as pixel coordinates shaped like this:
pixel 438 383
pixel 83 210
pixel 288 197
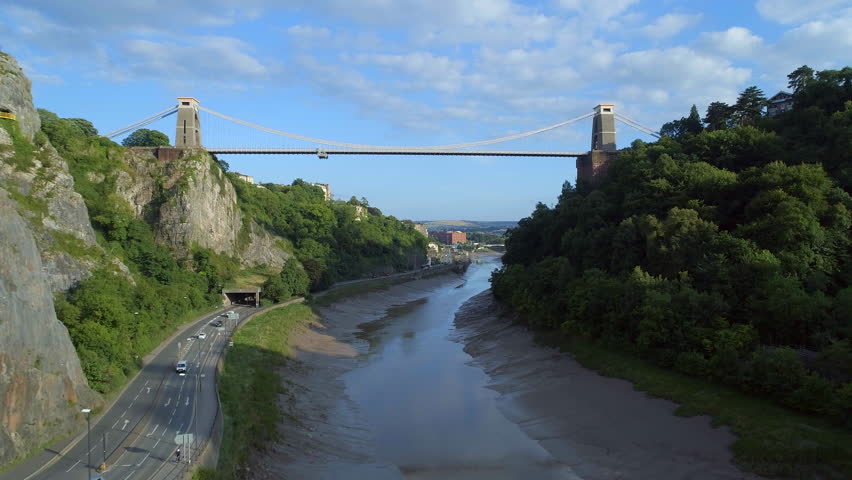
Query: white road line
pixel 135 398
pixel 146 382
pixel 149 390
pixel 187 400
pixel 168 402
pixel 116 423
pixel 125 424
pixel 143 460
pixel 154 430
pixel 72 466
pixel 125 413
pixel 158 442
pixel 131 473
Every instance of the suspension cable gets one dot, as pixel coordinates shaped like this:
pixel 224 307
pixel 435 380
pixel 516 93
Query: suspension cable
pixel 379 147
pixel 154 117
pixel 637 125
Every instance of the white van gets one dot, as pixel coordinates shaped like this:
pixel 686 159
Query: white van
pixel 181 366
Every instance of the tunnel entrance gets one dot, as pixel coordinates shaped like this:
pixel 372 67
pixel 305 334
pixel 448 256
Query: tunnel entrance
pixel 242 296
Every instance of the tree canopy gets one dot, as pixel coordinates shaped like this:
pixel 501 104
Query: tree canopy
pixel 719 252
pixel 146 138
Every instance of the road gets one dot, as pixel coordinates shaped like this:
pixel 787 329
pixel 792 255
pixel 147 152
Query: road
pixel 158 411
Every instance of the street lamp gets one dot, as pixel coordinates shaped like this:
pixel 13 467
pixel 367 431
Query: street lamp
pixel 87 411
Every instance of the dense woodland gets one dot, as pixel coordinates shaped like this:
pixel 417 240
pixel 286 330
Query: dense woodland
pixel 115 320
pixel 721 250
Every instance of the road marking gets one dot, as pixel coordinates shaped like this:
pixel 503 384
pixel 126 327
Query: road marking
pixel 116 423
pixel 125 413
pixel 187 400
pixel 128 465
pixel 168 402
pixel 143 460
pixel 135 398
pixel 146 382
pixel 126 421
pixel 154 430
pixel 149 390
pixel 128 476
pixel 72 466
pixel 158 442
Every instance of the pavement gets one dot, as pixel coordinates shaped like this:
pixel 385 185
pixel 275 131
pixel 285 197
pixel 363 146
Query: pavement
pixel 159 411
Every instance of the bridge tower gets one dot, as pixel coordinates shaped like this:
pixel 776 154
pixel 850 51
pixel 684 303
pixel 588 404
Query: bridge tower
pixel 188 131
pixel 592 167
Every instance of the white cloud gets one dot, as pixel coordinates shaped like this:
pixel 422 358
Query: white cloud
pixel 821 44
pixel 597 11
pixel 670 25
pixel 223 61
pixel 795 11
pixel 427 71
pixel 733 42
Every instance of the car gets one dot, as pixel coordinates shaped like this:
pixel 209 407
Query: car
pixel 217 323
pixel 202 335
pixel 181 366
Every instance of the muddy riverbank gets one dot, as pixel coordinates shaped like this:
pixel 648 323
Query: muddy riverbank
pixel 422 381
pixel 600 426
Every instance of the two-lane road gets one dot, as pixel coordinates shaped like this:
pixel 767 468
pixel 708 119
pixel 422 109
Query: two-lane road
pixel 159 411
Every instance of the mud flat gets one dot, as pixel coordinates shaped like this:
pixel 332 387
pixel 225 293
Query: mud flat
pixel 600 426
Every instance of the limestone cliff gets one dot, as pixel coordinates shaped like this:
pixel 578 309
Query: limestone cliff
pixel 15 96
pixel 42 386
pixel 188 200
pixel 38 180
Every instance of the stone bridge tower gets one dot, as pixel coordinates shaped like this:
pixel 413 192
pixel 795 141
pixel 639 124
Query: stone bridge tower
pixel 188 131
pixel 592 167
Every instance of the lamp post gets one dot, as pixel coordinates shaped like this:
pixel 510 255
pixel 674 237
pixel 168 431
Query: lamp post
pixel 87 411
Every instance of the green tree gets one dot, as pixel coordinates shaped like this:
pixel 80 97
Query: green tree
pixel 146 138
pixel 800 78
pixel 749 106
pixel 718 116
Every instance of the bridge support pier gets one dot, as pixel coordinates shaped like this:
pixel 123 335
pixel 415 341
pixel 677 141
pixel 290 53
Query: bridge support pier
pixel 593 166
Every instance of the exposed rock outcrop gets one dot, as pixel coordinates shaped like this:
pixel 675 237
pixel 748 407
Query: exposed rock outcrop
pixel 189 201
pixel 41 383
pixel 15 96
pixel 43 190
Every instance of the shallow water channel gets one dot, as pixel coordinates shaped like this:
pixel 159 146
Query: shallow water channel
pixel 430 410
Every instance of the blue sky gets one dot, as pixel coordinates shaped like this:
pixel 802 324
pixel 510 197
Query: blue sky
pixel 415 72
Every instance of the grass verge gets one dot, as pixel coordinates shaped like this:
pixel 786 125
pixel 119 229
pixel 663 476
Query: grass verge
pixel 772 441
pixel 249 386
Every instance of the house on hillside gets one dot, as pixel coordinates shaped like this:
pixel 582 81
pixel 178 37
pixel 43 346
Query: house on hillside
pixel 245 178
pixel 779 103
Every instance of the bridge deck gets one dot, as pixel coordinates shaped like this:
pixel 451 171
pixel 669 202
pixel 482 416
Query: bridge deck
pixel 400 151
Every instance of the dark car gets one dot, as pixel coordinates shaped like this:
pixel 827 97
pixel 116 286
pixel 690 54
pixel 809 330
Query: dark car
pixel 217 323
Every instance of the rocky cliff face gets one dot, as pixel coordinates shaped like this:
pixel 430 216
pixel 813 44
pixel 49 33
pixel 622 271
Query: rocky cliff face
pixel 42 386
pixel 189 201
pixel 15 96
pixel 43 188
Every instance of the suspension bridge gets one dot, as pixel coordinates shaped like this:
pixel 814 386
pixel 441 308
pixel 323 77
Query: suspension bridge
pixel 590 164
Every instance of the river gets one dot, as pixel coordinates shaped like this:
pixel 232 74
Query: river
pixel 425 380
pixel 432 413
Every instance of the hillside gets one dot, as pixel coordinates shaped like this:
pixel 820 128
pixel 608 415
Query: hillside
pixel 722 252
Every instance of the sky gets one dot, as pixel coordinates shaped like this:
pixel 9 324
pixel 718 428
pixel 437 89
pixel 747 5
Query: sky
pixel 417 73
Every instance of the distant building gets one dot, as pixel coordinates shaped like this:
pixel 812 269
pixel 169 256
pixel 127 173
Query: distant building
pixel 245 178
pixel 360 212
pixel 449 237
pixel 326 189
pixel 779 103
pixel 421 227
